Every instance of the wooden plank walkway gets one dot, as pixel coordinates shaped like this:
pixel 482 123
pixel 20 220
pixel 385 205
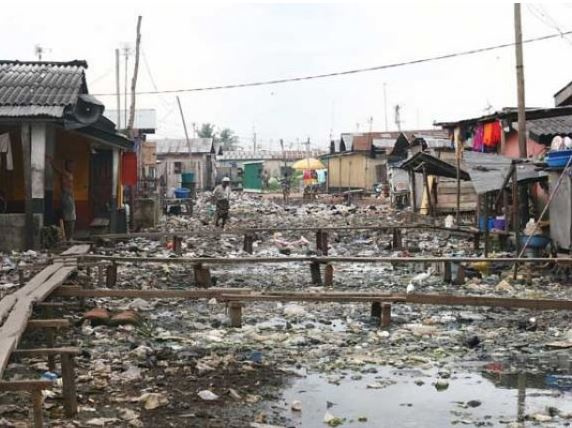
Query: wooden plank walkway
pixel 16 308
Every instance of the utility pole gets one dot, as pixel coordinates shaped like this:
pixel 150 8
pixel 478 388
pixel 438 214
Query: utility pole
pixel 520 82
pixel 184 124
pixel 134 79
pixel 118 88
pixel 385 105
pixel 253 139
pixel 126 53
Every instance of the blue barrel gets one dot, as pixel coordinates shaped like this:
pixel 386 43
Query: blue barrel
pixel 182 193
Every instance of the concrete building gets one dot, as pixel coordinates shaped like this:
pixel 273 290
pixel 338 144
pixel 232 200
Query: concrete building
pixel 45 110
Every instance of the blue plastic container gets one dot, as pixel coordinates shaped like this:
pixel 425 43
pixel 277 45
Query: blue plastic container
pixel 537 241
pixel 483 223
pixel 558 158
pixel 182 193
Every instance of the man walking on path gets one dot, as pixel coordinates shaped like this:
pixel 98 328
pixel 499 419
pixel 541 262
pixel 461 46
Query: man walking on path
pixel 221 196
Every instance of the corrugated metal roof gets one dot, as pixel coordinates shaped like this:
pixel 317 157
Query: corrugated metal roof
pixel 18 111
pixel 545 128
pixel 180 145
pixel 289 155
pixel 40 84
pixel 488 170
pixel 384 143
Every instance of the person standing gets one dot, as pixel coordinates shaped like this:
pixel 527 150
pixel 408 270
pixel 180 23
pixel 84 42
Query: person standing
pixel 221 195
pixel 66 195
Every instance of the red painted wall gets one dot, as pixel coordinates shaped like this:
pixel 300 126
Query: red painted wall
pixel 533 149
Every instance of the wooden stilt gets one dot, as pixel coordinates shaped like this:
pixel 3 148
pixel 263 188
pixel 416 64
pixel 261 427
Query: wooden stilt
pixel 235 313
pixel 376 310
pixel 248 243
pixel 315 271
pixel 111 275
pixel 329 275
pixel 476 241
pixel 69 386
pixel 319 241
pixel 178 245
pixel 487 234
pixel 50 336
pixel 459 278
pixel 202 276
pixel 447 274
pixel 324 239
pixel 100 275
pixel 385 314
pixel 397 239
pixel 37 408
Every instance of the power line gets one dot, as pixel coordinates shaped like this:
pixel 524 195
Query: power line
pixel 348 72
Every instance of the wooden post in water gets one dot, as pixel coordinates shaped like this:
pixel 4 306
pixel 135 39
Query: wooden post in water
pixel 385 314
pixel 315 271
pixel 329 275
pixel 235 314
pixel 69 386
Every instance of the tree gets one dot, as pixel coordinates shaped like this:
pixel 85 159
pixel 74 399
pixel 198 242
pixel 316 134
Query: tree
pixel 207 130
pixel 228 140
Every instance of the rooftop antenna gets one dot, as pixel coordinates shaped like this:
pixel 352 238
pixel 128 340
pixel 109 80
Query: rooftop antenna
pixel 38 50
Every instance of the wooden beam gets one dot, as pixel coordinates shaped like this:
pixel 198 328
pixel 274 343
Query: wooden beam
pixel 50 323
pixel 242 231
pixel 47 351
pixel 313 297
pixel 328 259
pixel 147 294
pixel 25 385
pixel 503 302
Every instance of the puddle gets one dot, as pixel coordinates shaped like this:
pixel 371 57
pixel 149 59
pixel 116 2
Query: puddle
pixel 408 398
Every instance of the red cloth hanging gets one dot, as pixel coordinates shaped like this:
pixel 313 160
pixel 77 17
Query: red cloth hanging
pixel 129 169
pixel 492 134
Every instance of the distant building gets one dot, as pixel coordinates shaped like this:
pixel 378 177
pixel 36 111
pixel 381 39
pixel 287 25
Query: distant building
pixel 363 160
pixel 176 157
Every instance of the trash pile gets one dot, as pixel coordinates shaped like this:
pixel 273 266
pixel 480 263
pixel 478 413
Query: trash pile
pixel 178 362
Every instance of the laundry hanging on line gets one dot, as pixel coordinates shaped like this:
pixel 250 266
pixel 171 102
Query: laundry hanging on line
pixel 6 147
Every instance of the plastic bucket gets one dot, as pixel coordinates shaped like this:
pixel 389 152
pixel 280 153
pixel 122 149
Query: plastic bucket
pixel 536 241
pixel 182 193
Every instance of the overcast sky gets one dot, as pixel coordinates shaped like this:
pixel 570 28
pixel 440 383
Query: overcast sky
pixel 190 44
